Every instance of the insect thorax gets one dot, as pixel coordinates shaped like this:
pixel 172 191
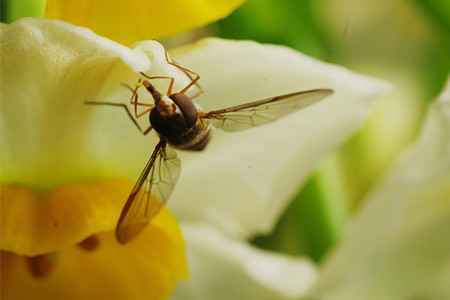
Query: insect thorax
pixel 181 126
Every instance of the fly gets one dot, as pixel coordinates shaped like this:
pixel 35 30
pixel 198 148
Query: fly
pixel 181 125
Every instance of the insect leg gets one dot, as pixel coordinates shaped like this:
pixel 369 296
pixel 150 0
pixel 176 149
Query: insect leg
pixel 194 79
pixel 130 115
pixel 146 131
pixel 171 81
pixel 134 94
pixel 199 93
pixel 192 83
pixel 144 112
pixel 134 99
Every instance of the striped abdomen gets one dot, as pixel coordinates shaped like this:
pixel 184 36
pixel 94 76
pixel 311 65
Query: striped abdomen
pixel 195 138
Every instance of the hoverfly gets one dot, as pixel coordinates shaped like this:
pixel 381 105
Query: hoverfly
pixel 180 124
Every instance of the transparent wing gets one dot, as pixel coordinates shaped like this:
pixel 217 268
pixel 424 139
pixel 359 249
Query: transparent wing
pixel 150 193
pixel 263 111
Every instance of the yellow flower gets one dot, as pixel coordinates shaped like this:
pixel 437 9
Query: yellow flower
pixel 129 21
pixel 97 267
pixel 57 217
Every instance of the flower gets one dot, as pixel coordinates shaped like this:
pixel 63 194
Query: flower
pixel 150 19
pixel 398 246
pixel 52 191
pixel 67 167
pixel 247 179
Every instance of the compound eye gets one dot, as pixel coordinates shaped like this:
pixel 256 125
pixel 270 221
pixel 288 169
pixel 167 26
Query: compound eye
pixel 187 107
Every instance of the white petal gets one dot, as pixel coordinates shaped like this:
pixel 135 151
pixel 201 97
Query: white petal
pixel 221 268
pixel 48 136
pixel 243 181
pixel 399 247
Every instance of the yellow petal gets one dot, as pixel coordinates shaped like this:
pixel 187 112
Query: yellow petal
pixel 146 268
pixel 33 223
pixel 129 21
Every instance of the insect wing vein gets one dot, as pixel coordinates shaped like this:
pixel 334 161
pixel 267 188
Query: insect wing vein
pixel 263 111
pixel 150 192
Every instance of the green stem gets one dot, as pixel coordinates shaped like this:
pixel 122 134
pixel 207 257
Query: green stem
pixel 11 10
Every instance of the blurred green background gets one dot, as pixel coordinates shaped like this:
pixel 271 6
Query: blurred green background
pixel 405 42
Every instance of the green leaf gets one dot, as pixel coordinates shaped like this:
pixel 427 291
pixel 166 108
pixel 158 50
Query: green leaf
pixel 11 10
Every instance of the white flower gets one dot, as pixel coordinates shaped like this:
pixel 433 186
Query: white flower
pixel 233 190
pixel 398 247
pixel 248 178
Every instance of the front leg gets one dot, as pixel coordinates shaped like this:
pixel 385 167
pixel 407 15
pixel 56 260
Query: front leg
pixel 130 115
pixel 134 100
pixel 193 76
pixel 171 81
